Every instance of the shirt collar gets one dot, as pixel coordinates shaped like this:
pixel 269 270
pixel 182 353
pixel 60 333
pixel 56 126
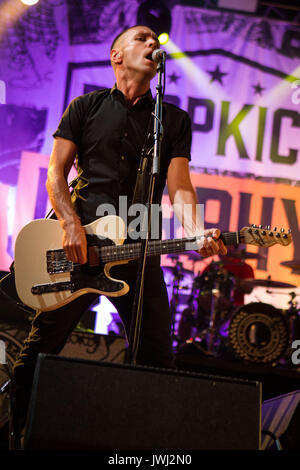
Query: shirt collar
pixel 147 96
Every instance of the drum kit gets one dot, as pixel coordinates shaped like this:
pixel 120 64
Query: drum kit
pixel 204 313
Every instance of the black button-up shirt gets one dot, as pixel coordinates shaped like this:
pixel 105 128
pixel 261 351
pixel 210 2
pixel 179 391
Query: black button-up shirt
pixel 110 137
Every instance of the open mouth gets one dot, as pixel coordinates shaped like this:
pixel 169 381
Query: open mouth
pixel 149 56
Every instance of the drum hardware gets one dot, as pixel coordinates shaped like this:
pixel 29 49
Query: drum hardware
pixel 211 332
pixel 267 283
pixel 211 295
pixel 178 274
pixel 260 337
pixel 212 336
pixel 188 325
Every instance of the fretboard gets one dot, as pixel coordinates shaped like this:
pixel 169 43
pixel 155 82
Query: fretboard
pixel 160 247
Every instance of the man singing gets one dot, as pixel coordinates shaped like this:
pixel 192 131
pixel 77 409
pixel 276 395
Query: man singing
pixel 106 132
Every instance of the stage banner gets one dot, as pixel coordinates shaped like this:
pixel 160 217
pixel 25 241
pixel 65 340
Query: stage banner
pixel 237 76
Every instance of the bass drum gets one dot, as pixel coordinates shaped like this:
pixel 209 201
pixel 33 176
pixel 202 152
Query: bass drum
pixel 258 333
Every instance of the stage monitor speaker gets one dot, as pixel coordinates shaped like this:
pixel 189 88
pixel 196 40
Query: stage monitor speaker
pixel 79 404
pixel 281 422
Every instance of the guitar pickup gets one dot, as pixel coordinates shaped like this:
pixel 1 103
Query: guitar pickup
pixel 57 262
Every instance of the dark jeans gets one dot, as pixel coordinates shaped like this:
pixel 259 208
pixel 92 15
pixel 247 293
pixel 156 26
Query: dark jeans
pixel 50 330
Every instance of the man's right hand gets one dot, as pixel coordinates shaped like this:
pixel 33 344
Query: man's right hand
pixel 74 242
pixel 74 238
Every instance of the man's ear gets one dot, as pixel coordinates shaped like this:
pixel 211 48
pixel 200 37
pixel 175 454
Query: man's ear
pixel 116 56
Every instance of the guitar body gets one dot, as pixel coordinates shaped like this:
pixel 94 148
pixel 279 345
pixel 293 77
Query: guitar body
pixel 42 235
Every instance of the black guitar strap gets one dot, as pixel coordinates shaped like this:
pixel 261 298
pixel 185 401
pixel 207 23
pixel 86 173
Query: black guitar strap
pixel 143 173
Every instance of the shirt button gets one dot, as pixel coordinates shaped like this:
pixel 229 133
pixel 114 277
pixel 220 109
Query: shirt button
pixel 122 157
pixel 125 134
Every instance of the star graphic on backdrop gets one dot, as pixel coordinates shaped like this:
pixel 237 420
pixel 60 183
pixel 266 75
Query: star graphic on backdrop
pixel 217 75
pixel 258 89
pixel 173 78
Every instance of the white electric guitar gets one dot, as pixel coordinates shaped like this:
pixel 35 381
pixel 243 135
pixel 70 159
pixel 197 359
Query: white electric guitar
pixel 46 280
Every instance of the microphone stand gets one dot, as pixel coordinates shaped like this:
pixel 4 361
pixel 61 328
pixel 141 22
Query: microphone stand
pixel 136 319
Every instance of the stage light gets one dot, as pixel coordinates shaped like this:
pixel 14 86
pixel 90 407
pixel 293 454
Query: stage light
pixel 194 73
pixel 29 2
pixel 163 38
pixel 156 15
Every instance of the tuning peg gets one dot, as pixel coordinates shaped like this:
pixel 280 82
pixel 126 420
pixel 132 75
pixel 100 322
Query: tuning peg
pixel 289 230
pixel 260 226
pixel 274 229
pixel 282 230
pixel 267 227
pixel 253 225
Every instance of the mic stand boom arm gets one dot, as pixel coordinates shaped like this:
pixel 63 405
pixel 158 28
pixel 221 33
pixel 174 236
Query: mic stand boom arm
pixel 136 319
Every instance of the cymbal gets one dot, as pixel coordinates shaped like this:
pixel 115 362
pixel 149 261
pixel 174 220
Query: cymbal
pixel 266 283
pixel 244 255
pixel 295 264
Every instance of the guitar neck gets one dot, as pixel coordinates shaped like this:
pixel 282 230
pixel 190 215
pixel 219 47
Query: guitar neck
pixel 161 247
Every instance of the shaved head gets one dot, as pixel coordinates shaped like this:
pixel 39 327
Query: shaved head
pixel 118 39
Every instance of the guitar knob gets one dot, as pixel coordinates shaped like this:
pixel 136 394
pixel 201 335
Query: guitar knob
pixel 271 234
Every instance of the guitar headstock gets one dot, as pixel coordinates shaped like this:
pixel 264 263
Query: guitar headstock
pixel 259 236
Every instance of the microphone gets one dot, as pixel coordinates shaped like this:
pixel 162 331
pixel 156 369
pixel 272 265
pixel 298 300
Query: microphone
pixel 158 55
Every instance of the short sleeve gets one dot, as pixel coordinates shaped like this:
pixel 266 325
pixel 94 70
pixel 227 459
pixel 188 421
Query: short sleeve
pixel 71 124
pixel 182 137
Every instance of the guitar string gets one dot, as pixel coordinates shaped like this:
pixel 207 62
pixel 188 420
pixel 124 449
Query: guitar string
pixel 121 252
